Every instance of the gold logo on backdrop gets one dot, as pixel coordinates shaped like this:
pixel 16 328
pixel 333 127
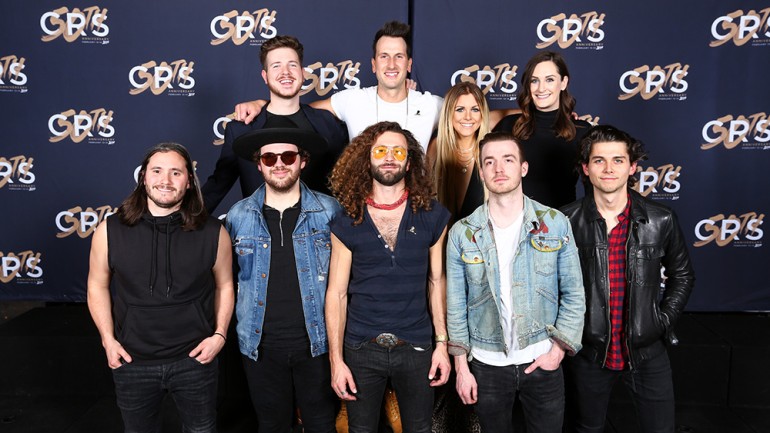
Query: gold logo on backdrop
pixel 740 28
pixel 82 222
pixel 648 82
pixel 660 181
pixel 78 126
pixel 17 167
pixel 240 28
pixel 752 131
pixel 160 77
pixel 25 266
pixel 490 79
pixel 322 79
pixel 75 24
pixel 566 31
pixel 10 71
pixel 741 231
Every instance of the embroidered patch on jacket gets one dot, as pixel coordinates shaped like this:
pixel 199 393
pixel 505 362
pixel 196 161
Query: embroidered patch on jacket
pixel 546 245
pixel 473 260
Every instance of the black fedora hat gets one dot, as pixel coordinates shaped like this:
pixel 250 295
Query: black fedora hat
pixel 278 129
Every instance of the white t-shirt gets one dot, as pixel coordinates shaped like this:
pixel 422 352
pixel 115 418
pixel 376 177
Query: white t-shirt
pixel 507 241
pixel 360 108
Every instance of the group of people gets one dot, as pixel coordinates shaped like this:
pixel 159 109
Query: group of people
pixel 435 246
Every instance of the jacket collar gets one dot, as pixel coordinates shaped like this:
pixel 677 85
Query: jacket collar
pixel 480 217
pixel 638 211
pixel 308 200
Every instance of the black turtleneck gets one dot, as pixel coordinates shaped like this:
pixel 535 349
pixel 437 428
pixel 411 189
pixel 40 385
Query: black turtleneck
pixel 553 173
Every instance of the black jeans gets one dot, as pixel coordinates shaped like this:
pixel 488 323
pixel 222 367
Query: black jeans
pixel 407 367
pixel 140 389
pixel 541 393
pixel 280 377
pixel 589 387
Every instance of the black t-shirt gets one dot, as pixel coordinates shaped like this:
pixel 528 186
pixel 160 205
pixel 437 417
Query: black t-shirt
pixel 284 326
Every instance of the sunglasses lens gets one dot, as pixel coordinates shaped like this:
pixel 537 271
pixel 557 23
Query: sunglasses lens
pixel 269 159
pixel 288 158
pixel 379 152
pixel 399 153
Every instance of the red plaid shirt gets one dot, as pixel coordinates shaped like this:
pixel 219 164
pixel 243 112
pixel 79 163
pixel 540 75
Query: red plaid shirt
pixel 617 355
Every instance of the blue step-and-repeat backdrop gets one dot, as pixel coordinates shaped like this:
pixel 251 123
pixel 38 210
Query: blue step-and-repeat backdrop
pixel 87 87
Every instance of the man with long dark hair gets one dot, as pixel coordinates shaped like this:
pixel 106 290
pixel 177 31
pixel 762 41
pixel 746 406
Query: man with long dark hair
pixel 385 248
pixel 160 292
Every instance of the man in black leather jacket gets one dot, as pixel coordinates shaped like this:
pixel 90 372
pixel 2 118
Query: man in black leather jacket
pixel 624 241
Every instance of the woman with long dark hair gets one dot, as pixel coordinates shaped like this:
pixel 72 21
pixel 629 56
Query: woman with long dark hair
pixel 546 130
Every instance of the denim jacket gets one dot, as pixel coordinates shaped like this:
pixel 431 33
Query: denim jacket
pixel 312 251
pixel 547 292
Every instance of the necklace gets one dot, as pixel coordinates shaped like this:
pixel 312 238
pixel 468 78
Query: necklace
pixel 370 201
pixel 377 108
pixel 464 166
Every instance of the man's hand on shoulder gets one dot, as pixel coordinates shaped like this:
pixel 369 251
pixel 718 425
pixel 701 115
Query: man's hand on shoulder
pixel 246 111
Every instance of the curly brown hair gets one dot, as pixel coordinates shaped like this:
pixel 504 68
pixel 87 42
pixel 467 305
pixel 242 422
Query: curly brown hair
pixel 352 182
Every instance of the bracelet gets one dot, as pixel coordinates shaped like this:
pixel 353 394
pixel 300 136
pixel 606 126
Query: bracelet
pixel 221 335
pixel 441 338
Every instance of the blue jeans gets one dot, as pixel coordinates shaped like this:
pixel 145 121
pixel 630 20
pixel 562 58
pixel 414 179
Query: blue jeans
pixel 278 377
pixel 140 389
pixel 541 393
pixel 407 366
pixel 589 387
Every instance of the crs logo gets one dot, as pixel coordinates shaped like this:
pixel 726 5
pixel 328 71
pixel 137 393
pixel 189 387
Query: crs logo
pixel 661 182
pixel 752 131
pixel 567 31
pixel 219 129
pixel 71 25
pixel 241 28
pixel 11 77
pixel 741 231
pixel 82 222
pixel 20 168
pixel 323 79
pixel 500 77
pixel 80 125
pixel 740 28
pixel 648 82
pixel 158 77
pixel 25 266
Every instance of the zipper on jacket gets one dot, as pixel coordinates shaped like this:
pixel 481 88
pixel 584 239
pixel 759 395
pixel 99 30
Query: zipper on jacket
pixel 629 278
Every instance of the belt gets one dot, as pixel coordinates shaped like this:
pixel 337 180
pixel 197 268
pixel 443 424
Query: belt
pixel 388 340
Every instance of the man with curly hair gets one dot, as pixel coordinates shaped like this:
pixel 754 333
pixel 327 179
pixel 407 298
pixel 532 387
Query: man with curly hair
pixel 386 250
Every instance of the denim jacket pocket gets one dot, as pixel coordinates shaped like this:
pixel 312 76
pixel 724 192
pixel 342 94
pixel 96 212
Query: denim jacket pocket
pixel 244 250
pixel 323 248
pixel 475 268
pixel 545 254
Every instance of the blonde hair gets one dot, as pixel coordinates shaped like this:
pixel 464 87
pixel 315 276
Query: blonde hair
pixel 446 143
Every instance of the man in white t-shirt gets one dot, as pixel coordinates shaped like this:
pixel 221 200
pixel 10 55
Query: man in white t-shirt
pixel 389 100
pixel 515 300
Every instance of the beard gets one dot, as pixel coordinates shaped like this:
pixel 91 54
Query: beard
pixel 282 185
pixel 276 89
pixel 389 178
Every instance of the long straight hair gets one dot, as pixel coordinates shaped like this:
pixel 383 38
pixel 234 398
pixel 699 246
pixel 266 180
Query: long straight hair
pixel 446 142
pixel 525 125
pixel 193 211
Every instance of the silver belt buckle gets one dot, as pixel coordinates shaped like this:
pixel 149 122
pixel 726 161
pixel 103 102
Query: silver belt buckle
pixel 387 340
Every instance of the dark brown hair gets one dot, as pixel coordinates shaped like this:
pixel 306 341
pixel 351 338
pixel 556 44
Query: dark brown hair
pixel 606 134
pixel 525 125
pixel 352 182
pixel 283 41
pixel 394 29
pixel 193 211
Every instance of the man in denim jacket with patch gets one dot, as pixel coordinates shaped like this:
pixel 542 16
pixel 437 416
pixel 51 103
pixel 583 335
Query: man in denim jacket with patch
pixel 282 242
pixel 515 299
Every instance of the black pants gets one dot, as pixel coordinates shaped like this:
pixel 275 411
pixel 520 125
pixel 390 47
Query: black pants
pixel 280 377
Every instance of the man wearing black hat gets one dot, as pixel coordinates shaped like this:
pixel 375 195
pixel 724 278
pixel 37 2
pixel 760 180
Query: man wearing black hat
pixel 282 72
pixel 282 240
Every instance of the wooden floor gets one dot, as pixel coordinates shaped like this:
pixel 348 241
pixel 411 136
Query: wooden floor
pixel 53 377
